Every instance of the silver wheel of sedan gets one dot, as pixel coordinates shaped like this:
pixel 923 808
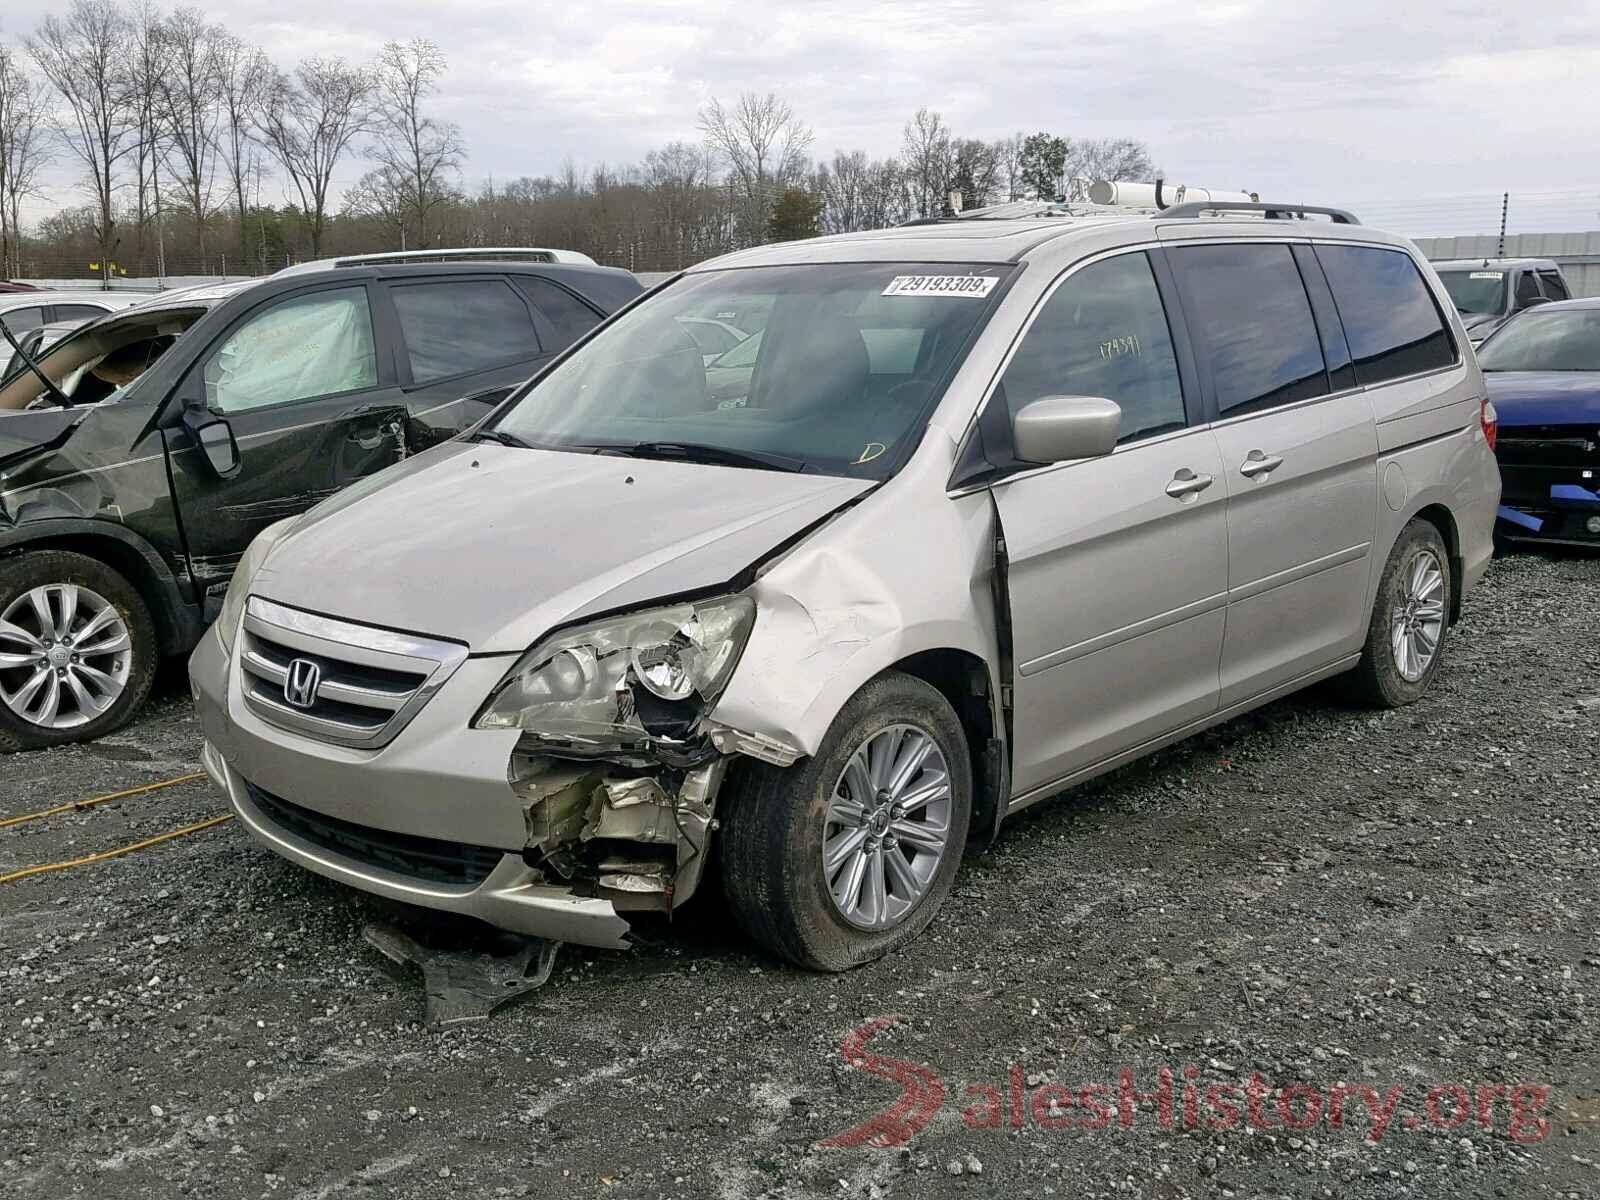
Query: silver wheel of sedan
pixel 887 827
pixel 1417 621
pixel 65 655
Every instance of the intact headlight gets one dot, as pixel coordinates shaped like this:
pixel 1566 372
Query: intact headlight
pixel 239 585
pixel 624 682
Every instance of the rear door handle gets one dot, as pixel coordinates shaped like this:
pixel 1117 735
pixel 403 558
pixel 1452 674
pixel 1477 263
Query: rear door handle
pixel 1186 484
pixel 1258 462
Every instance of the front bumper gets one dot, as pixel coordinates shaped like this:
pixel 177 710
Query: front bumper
pixel 439 781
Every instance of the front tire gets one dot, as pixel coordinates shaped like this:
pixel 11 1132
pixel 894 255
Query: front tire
pixel 1410 621
pixel 848 855
pixel 77 649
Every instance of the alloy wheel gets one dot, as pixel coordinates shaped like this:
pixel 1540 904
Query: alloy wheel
pixel 887 827
pixel 65 655
pixel 1417 622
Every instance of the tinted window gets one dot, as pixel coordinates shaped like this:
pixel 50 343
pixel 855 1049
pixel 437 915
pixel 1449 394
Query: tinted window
pixel 18 319
pixel 1103 333
pixel 571 316
pixel 1252 325
pixel 1390 320
pixel 78 312
pixel 1554 286
pixel 313 345
pixel 461 326
pixel 1527 287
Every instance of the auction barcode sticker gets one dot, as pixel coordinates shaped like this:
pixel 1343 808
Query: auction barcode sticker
pixel 1488 274
pixel 965 287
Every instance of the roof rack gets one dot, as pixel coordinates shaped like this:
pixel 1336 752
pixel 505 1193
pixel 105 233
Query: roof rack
pixel 446 254
pixel 1272 212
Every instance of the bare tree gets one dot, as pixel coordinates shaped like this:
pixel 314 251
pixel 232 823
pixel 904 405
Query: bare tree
pixel 147 54
pixel 243 76
pixel 929 162
pixel 1008 166
pixel 765 147
pixel 1108 158
pixel 308 124
pixel 23 153
pixel 84 55
pixel 973 171
pixel 189 98
pixel 416 150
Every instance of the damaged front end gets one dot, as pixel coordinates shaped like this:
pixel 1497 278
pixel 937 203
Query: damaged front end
pixel 637 839
pixel 618 765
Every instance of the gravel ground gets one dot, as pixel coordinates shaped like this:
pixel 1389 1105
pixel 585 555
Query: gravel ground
pixel 1313 894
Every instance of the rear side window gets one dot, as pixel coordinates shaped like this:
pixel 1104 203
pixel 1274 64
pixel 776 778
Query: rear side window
pixel 1554 286
pixel 78 312
pixel 18 319
pixel 1103 332
pixel 571 317
pixel 1389 316
pixel 1251 322
pixel 461 326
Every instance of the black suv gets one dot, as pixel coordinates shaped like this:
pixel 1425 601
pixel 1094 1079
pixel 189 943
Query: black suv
pixel 148 448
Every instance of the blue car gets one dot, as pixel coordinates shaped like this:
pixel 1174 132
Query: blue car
pixel 1542 369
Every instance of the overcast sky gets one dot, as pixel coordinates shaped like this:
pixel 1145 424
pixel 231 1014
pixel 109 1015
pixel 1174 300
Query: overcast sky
pixel 1421 112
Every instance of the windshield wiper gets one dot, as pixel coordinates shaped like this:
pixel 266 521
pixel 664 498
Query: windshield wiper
pixel 704 453
pixel 501 438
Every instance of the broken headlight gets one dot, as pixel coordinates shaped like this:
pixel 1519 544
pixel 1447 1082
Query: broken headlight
pixel 624 682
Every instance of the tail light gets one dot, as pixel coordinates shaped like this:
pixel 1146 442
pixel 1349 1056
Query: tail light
pixel 1490 421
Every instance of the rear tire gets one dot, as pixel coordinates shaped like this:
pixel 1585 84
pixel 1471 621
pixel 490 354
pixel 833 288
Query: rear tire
pixel 777 823
pixel 78 649
pixel 1412 610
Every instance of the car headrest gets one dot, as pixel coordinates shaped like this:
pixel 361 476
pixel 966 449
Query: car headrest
pixel 821 366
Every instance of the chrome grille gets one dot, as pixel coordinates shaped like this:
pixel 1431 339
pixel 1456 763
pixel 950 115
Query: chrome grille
pixel 365 684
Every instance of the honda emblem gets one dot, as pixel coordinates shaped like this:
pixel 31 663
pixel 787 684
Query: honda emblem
pixel 300 685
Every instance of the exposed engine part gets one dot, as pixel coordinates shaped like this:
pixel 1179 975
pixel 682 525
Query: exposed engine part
pixel 640 841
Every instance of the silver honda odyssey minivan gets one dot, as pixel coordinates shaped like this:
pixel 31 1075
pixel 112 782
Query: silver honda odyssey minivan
pixel 981 509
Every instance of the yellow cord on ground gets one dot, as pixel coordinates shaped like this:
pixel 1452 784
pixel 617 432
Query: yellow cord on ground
pixel 118 852
pixel 78 805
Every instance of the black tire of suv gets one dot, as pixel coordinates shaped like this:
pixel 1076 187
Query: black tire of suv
pixel 34 568
pixel 772 822
pixel 1376 681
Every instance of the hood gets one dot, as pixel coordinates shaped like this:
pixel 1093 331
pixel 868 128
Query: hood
pixel 1545 397
pixel 494 545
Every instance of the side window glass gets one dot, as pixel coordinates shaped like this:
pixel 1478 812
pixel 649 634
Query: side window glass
pixel 1527 287
pixel 571 317
pixel 466 325
pixel 1390 319
pixel 1252 325
pixel 307 346
pixel 78 312
pixel 1103 332
pixel 18 319
pixel 1554 286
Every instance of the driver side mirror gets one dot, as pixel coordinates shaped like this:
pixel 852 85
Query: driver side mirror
pixel 216 441
pixel 1058 428
pixel 1532 302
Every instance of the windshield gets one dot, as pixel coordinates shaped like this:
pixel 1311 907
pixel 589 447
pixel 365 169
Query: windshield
pixel 1476 291
pixel 1545 341
pixel 846 362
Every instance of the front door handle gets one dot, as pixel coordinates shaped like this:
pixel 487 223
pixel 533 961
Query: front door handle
pixel 1258 462
pixel 1186 484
